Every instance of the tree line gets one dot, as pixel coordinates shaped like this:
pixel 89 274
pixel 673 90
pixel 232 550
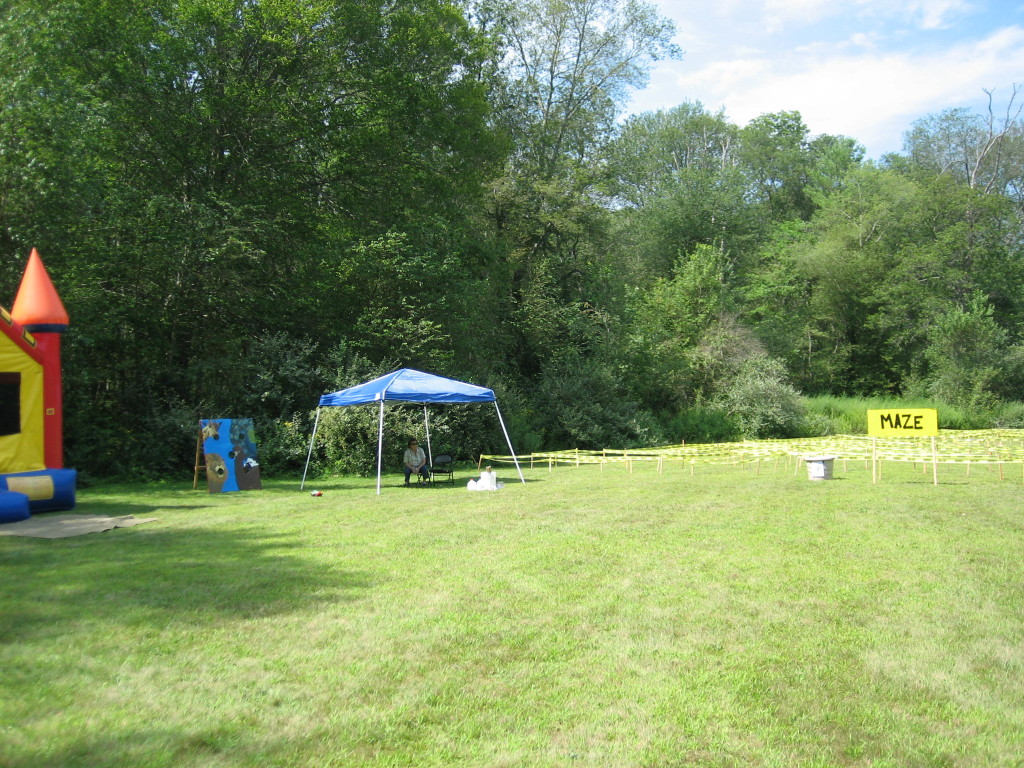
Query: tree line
pixel 246 203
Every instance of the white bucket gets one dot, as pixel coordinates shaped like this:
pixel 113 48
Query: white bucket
pixel 819 467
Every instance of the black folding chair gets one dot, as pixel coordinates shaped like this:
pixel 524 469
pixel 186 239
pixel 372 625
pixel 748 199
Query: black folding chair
pixel 442 467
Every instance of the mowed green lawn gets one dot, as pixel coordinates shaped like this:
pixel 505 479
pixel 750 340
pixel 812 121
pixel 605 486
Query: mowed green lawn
pixel 589 617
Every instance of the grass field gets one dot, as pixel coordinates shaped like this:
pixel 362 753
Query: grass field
pixel 589 617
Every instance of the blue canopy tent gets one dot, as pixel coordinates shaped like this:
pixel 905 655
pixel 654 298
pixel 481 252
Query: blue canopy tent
pixel 408 386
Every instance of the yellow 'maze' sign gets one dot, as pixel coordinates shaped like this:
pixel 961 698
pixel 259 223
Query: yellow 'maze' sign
pixel 905 422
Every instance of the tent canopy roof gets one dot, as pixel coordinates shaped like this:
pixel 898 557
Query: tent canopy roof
pixel 407 385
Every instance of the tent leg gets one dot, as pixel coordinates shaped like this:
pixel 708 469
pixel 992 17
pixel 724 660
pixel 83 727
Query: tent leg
pixel 380 444
pixel 316 423
pixel 509 441
pixel 426 426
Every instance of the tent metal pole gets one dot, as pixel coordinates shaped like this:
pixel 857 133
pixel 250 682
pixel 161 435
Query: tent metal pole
pixel 312 437
pixel 380 443
pixel 426 425
pixel 509 441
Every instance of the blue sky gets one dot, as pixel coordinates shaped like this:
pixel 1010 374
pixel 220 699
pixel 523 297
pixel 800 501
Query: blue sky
pixel 860 68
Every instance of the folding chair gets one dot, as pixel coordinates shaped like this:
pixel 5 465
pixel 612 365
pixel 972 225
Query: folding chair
pixel 442 467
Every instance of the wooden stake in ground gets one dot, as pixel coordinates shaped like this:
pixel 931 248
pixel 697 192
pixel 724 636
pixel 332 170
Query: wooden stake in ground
pixel 874 461
pixel 199 446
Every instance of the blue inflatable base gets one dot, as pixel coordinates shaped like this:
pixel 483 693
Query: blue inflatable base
pixel 48 490
pixel 13 507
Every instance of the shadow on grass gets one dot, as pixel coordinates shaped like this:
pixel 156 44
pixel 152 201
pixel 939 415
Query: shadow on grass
pixel 154 747
pixel 120 509
pixel 327 484
pixel 165 576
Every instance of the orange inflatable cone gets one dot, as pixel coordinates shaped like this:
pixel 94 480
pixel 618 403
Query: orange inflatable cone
pixel 39 309
pixel 37 303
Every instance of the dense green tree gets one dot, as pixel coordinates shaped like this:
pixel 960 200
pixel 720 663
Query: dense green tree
pixel 857 289
pixel 965 351
pixel 570 66
pixel 678 186
pixel 773 298
pixel 245 201
pixel 847 263
pixel 653 151
pixel 790 173
pixel 982 151
pixel 832 159
pixel 774 150
pixel 568 69
pixel 203 172
pixel 667 322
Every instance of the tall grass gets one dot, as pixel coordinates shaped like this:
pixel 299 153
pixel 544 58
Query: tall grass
pixel 832 415
pixel 822 415
pixel 733 617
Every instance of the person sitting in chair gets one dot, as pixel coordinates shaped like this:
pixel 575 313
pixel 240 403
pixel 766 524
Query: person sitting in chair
pixel 415 461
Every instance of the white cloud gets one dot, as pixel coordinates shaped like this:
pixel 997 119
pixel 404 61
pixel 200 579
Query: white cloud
pixel 727 76
pixel 863 92
pixel 926 14
pixel 936 14
pixel 861 68
pixel 862 40
pixel 857 41
pixel 779 13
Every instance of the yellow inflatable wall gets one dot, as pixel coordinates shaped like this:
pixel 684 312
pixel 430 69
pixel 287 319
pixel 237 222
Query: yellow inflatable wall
pixel 21 399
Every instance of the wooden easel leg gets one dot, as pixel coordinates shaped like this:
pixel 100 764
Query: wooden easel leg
pixel 199 445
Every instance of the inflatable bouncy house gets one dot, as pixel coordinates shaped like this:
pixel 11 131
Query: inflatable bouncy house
pixel 32 473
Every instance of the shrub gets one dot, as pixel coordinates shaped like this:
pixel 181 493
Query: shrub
pixel 1009 416
pixel 701 425
pixel 347 438
pixel 527 425
pixel 156 444
pixel 282 445
pixel 966 349
pixel 585 408
pixel 762 402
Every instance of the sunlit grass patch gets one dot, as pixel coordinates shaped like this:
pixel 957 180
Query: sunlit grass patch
pixel 597 617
